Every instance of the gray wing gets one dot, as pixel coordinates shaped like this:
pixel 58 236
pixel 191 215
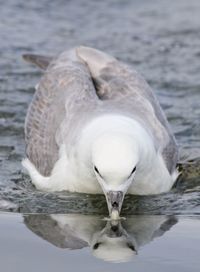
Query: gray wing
pixel 48 229
pixel 65 83
pixel 165 226
pixel 129 92
pixel 41 61
pixel 145 228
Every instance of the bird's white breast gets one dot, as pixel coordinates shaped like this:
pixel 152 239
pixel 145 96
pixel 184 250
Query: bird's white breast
pixel 74 169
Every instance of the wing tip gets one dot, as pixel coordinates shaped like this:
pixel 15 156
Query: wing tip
pixel 40 61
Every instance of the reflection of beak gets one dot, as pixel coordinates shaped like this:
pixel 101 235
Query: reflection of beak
pixel 114 202
pixel 114 229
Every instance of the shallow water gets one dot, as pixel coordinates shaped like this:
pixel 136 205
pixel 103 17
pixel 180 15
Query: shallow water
pixel 162 42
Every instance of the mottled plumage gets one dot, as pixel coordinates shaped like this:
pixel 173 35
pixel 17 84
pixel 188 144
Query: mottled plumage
pixel 95 126
pixel 76 82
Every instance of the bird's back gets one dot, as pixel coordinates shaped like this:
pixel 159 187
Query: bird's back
pixel 124 91
pixel 79 85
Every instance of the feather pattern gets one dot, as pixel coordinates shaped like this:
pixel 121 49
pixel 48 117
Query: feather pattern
pixel 85 80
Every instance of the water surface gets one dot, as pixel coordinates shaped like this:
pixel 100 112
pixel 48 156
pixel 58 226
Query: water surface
pixel 57 243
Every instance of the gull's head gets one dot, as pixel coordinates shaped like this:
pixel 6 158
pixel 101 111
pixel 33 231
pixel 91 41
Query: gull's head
pixel 115 158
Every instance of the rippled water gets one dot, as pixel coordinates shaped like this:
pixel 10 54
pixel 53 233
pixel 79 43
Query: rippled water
pixel 160 39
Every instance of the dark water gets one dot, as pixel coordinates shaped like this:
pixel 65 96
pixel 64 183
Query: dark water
pixel 162 41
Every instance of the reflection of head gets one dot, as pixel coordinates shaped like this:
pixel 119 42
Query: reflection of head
pixel 111 241
pixel 113 249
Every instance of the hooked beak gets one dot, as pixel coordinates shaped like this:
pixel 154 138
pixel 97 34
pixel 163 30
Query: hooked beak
pixel 114 202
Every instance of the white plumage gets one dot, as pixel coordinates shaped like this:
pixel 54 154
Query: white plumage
pixel 95 126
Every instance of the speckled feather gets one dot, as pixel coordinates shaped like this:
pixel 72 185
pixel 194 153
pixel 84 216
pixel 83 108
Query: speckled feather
pixel 61 94
pixel 80 84
pixel 122 85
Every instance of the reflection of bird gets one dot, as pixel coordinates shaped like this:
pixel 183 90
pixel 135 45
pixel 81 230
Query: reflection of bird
pixel 95 125
pixel 110 241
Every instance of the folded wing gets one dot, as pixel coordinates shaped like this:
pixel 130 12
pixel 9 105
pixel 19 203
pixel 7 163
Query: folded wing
pixel 119 84
pixel 65 88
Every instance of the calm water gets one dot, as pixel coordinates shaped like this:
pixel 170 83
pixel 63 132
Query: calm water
pixel 59 243
pixel 162 42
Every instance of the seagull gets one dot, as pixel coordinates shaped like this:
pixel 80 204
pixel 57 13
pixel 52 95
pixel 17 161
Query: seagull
pixel 95 126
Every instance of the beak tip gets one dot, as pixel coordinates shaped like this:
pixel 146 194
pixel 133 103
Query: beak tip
pixel 114 214
pixel 114 201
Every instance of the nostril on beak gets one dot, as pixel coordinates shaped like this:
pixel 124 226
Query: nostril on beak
pixel 115 205
pixel 114 228
pixel 114 200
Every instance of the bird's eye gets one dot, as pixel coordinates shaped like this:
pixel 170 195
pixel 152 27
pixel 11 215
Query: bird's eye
pixel 96 245
pixel 96 170
pixel 133 170
pixel 131 246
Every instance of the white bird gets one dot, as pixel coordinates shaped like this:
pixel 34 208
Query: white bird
pixel 95 126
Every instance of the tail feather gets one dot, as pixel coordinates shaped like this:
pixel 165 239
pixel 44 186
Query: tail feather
pixel 95 59
pixel 41 61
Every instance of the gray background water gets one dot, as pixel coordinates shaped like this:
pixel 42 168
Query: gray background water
pixel 161 39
